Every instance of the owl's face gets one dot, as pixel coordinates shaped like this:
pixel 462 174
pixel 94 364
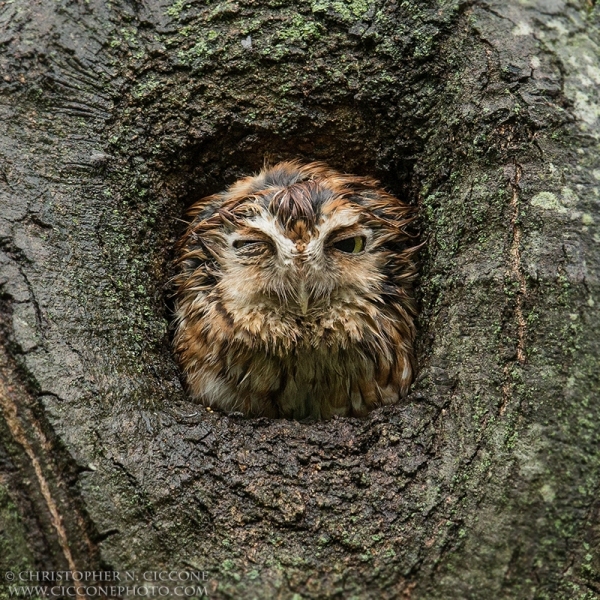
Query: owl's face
pixel 300 241
pixel 302 266
pixel 294 295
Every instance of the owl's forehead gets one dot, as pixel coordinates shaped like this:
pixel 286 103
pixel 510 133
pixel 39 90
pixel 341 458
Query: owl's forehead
pixel 303 211
pixel 299 229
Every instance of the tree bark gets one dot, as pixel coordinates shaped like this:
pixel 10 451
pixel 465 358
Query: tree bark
pixel 116 115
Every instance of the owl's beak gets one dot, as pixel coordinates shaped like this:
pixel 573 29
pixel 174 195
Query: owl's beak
pixel 303 298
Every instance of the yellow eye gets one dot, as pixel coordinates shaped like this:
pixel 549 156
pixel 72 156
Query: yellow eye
pixel 352 245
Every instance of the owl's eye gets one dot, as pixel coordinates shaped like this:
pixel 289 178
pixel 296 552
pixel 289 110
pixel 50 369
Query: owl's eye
pixel 237 244
pixel 351 245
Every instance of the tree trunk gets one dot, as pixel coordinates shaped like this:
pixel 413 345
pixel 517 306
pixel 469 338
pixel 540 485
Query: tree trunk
pixel 117 115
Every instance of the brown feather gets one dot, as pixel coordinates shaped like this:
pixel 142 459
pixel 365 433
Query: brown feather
pixel 277 315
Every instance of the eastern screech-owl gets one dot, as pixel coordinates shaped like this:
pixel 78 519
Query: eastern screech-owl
pixel 293 297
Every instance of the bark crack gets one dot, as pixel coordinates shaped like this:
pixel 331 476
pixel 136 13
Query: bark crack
pixel 515 274
pixel 9 408
pixel 516 270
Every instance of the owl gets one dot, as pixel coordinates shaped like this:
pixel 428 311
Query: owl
pixel 293 295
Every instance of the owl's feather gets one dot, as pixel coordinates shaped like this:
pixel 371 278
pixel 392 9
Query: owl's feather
pixel 294 295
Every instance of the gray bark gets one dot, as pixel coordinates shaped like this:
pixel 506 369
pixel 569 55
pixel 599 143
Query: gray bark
pixel 116 115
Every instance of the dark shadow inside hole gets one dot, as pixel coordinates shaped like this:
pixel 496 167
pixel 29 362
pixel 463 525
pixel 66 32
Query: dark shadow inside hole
pixel 212 167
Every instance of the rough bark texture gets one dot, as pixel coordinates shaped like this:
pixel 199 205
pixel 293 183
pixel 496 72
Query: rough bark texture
pixel 116 115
